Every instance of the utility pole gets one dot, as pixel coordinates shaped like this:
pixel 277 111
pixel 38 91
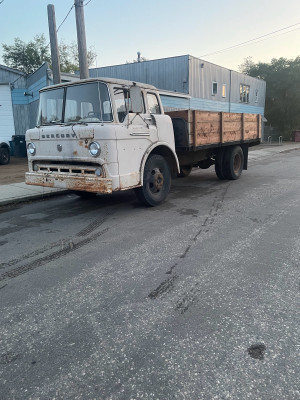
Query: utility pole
pixel 53 43
pixel 81 40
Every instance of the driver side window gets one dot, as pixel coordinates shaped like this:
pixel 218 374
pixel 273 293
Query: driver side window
pixel 123 103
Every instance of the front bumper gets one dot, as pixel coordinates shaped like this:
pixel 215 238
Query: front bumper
pixel 70 182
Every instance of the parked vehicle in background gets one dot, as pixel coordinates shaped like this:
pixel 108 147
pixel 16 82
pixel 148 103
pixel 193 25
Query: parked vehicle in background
pixel 106 135
pixel 6 123
pixel 4 152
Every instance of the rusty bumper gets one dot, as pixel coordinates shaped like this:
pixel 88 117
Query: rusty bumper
pixel 65 181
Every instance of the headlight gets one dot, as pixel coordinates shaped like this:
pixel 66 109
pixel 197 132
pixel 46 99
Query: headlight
pixel 31 149
pixel 94 149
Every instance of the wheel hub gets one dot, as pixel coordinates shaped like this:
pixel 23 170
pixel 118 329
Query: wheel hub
pixel 156 181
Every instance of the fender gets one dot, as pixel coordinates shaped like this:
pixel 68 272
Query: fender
pixel 150 149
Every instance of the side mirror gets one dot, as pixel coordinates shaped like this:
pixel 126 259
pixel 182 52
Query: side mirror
pixel 136 99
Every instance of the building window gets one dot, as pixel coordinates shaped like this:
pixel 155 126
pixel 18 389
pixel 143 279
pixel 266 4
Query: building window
pixel 256 96
pixel 224 90
pixel 244 93
pixel 214 88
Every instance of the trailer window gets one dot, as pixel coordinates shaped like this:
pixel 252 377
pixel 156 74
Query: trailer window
pixel 87 102
pixel 51 107
pixel 244 93
pixel 153 104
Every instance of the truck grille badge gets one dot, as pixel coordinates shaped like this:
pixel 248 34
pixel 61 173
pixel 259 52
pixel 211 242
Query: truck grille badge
pixel 59 147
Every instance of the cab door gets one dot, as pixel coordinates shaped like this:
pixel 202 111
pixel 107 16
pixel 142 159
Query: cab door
pixel 135 133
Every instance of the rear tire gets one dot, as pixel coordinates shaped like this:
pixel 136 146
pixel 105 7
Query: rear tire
pixel 219 165
pixel 156 183
pixel 4 156
pixel 233 163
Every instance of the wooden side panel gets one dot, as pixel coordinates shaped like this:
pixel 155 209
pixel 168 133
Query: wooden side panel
pixel 232 127
pixel 251 126
pixel 207 127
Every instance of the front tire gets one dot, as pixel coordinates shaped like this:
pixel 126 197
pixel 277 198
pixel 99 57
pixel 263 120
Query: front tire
pixel 4 156
pixel 156 183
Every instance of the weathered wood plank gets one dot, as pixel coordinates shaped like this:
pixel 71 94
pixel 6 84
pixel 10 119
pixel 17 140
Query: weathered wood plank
pixel 208 127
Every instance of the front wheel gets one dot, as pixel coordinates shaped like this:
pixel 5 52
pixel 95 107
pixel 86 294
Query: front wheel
pixel 4 156
pixel 156 183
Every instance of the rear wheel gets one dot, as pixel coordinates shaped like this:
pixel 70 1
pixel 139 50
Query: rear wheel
pixel 219 165
pixel 156 183
pixel 233 162
pixel 4 156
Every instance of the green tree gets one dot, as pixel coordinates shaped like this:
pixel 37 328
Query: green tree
pixel 27 57
pixel 282 77
pixel 69 60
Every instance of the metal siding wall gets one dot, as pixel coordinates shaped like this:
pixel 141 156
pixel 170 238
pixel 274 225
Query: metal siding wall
pixel 38 74
pixel 18 96
pixel 246 108
pixel 184 75
pixel 168 74
pixel 35 87
pixel 12 77
pixel 201 80
pixel 255 84
pixel 174 103
pixel 33 110
pixel 21 118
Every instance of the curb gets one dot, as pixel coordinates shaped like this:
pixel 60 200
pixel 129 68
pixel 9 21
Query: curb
pixel 26 198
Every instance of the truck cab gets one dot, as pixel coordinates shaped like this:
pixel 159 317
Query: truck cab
pixel 100 136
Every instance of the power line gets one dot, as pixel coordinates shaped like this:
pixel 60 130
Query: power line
pixel 66 17
pixel 84 4
pixel 263 37
pixel 3 1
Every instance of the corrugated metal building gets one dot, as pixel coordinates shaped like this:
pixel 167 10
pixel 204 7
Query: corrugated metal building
pixel 206 86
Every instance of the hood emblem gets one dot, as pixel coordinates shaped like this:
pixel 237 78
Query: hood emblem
pixel 59 147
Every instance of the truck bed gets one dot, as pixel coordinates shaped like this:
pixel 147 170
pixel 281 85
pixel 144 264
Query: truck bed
pixel 196 129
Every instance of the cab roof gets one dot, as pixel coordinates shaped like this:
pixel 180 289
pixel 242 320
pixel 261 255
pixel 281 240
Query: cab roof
pixel 121 82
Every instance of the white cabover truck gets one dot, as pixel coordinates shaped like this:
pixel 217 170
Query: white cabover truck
pixel 106 135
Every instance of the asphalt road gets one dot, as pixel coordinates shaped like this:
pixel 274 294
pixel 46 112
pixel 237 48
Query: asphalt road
pixel 195 299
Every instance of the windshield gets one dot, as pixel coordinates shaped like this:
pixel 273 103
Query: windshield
pixel 87 103
pixel 51 107
pixel 84 103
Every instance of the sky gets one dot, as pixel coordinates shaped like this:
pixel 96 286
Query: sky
pixel 117 29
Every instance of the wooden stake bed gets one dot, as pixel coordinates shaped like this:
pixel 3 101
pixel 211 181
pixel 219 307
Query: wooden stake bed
pixel 207 128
